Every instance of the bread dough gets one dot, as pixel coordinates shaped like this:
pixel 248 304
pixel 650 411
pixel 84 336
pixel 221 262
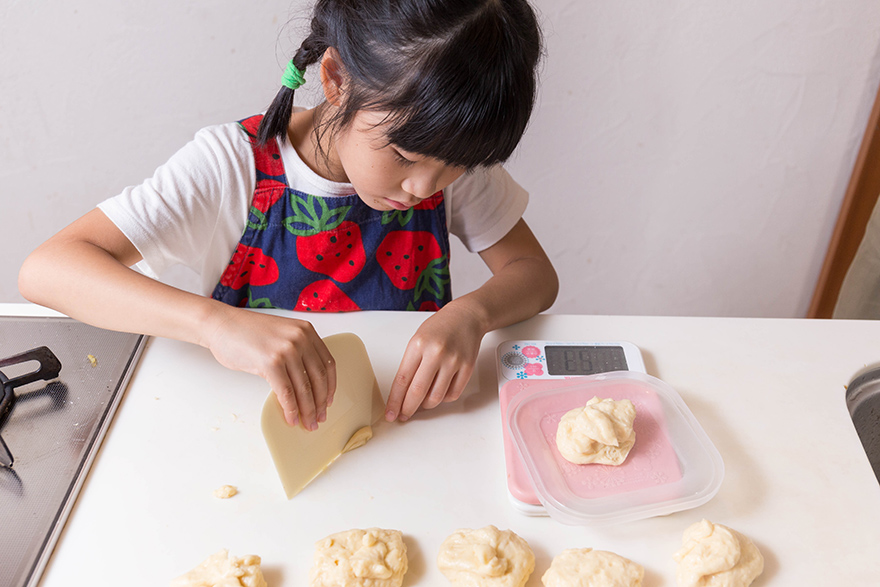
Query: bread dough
pixel 487 557
pixel 225 492
pixel 713 555
pixel 601 432
pixel 360 558
pixel 585 567
pixel 221 570
pixel 358 439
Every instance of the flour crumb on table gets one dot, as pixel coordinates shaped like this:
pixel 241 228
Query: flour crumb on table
pixel 222 570
pixel 487 557
pixel 225 492
pixel 585 567
pixel 601 432
pixel 374 557
pixel 713 555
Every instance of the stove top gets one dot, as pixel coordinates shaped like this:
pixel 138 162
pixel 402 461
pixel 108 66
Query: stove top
pixel 62 381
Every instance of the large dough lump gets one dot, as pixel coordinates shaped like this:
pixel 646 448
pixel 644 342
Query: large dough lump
pixel 585 567
pixel 222 570
pixel 713 555
pixel 601 432
pixel 360 558
pixel 487 557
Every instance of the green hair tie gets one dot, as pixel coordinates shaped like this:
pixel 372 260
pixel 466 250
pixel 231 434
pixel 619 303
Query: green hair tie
pixel 293 77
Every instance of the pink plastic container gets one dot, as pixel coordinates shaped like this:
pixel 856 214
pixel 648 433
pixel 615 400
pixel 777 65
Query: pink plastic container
pixel 673 465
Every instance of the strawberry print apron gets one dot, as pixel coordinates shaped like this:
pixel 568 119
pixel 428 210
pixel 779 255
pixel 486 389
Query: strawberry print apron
pixel 333 254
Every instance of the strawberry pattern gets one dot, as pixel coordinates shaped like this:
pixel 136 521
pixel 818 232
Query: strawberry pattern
pixel 333 254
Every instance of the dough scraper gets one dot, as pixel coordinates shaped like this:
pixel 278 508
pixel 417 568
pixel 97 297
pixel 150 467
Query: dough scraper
pixel 300 455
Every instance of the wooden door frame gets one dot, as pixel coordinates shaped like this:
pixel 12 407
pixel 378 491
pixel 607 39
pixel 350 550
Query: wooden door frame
pixel 858 203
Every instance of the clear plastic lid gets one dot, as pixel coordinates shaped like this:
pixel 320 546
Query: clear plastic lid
pixel 673 465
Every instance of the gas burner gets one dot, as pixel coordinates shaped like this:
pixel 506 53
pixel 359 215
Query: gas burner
pixel 49 368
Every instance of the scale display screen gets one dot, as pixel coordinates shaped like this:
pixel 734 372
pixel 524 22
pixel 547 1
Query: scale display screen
pixel 584 360
pixel 563 359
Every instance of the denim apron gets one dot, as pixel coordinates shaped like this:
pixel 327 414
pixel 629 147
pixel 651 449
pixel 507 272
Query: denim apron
pixel 333 254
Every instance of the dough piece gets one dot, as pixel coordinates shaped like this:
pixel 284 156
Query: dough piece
pixel 713 555
pixel 225 492
pixel 221 570
pixel 487 557
pixel 601 432
pixel 358 439
pixel 360 558
pixel 585 567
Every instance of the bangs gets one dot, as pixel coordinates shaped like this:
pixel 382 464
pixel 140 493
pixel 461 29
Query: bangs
pixel 465 101
pixel 461 126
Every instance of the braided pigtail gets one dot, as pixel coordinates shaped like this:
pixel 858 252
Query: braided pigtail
pixel 277 117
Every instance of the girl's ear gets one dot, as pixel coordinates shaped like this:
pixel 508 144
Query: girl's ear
pixel 332 76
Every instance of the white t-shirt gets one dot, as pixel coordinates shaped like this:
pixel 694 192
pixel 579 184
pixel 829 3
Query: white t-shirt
pixel 194 209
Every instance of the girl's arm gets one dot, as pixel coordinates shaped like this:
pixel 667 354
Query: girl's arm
pixel 440 358
pixel 84 272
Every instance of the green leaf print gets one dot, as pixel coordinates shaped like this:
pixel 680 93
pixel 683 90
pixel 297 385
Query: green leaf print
pixel 434 279
pixel 309 219
pixel 259 302
pixel 262 224
pixel 402 216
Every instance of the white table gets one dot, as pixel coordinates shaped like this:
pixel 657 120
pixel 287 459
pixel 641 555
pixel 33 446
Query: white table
pixel 769 393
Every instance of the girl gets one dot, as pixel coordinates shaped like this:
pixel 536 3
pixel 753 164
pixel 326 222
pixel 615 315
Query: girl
pixel 345 206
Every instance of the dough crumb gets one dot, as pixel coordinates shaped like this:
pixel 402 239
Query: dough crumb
pixel 585 567
pixel 358 439
pixel 713 555
pixel 225 492
pixel 360 558
pixel 487 557
pixel 601 432
pixel 93 361
pixel 222 570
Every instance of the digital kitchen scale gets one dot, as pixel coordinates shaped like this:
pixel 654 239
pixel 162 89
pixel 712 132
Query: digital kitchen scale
pixel 528 366
pixel 544 359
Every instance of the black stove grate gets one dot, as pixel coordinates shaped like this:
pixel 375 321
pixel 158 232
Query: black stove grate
pixel 48 368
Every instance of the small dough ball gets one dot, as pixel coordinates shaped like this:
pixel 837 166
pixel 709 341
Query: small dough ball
pixel 487 557
pixel 222 570
pixel 360 558
pixel 713 555
pixel 585 567
pixel 225 492
pixel 601 432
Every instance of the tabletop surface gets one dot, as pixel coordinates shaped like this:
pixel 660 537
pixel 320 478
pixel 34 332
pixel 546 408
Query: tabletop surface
pixel 769 394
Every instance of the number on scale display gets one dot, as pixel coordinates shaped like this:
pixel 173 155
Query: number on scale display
pixel 584 360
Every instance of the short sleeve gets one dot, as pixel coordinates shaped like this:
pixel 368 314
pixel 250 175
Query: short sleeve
pixel 483 206
pixel 193 209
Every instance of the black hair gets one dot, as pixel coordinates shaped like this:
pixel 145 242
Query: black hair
pixel 457 77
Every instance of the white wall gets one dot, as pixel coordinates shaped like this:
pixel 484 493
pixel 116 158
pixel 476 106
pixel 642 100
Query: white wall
pixel 685 157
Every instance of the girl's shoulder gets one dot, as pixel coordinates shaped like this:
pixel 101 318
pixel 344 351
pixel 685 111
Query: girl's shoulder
pixel 484 205
pixel 492 181
pixel 224 141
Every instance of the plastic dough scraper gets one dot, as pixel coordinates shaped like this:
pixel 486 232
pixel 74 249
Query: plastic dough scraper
pixel 300 455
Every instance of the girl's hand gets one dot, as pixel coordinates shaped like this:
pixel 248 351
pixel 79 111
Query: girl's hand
pixel 438 362
pixel 286 352
pixel 440 358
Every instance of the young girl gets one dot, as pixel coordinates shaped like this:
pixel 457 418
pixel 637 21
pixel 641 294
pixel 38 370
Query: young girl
pixel 346 206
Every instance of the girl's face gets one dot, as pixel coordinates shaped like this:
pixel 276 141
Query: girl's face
pixel 384 176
